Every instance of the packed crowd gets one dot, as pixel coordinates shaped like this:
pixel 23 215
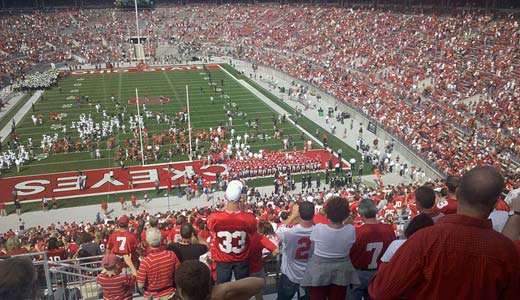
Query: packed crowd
pixel 446 85
pixel 356 240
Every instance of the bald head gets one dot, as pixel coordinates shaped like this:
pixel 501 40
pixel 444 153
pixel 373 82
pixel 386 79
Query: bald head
pixel 480 189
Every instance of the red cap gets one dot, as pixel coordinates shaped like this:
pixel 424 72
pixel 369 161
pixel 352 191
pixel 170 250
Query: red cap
pixel 123 220
pixel 110 261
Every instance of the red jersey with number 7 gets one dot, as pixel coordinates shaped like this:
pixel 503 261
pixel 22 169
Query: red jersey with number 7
pixel 230 235
pixel 371 243
pixel 122 242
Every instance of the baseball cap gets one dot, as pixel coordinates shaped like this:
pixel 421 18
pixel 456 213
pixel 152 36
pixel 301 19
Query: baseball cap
pixel 153 237
pixel 123 220
pixel 234 191
pixel 110 261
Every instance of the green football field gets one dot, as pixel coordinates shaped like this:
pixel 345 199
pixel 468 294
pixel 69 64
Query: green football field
pixel 169 84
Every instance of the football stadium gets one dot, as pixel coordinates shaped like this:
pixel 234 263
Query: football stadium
pixel 358 149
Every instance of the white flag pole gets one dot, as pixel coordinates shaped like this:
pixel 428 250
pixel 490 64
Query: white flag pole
pixel 189 121
pixel 140 125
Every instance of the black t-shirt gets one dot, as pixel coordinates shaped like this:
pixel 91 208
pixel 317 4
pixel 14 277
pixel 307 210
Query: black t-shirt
pixel 187 252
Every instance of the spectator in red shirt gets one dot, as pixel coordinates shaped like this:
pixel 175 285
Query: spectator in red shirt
pixel 157 268
pixel 55 250
pixel 122 201
pixel 425 200
pixel 461 256
pixel 54 203
pixel 259 242
pixel 231 228
pixel 104 207
pixel 372 239
pixel 449 206
pixel 115 285
pixel 123 242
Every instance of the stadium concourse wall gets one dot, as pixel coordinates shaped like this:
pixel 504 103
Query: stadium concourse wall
pixel 416 159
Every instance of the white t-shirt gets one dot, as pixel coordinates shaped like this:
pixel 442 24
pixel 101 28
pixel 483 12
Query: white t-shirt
pixel 499 219
pixel 391 250
pixel 296 250
pixel 333 243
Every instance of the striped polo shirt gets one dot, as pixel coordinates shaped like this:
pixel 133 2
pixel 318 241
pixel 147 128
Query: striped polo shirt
pixel 156 271
pixel 117 287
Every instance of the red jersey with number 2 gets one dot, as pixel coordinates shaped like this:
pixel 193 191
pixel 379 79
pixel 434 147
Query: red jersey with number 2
pixel 230 235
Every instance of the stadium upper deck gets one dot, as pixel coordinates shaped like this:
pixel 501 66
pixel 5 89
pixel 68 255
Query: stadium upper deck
pixel 421 76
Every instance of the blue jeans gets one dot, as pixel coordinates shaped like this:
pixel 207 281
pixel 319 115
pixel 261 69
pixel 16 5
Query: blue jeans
pixel 287 289
pixel 361 292
pixel 225 270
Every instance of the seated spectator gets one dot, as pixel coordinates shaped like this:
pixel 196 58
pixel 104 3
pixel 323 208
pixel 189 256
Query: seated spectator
pixel 194 283
pixel 18 279
pixel 466 258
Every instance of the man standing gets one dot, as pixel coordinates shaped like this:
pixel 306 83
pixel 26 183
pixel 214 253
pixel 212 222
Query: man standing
pixel 461 256
pixel 123 242
pixel 372 239
pixel 184 248
pixel 296 249
pixel 425 200
pixel 449 206
pixel 230 229
pixel 157 269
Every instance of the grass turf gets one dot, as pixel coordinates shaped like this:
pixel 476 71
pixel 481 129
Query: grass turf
pixel 101 87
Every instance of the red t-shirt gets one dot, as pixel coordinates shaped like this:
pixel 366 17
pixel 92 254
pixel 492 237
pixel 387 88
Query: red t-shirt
pixel 449 206
pixel 398 202
pixel 117 287
pixel 122 242
pixel 258 243
pixel 502 205
pixel 389 209
pixel 157 270
pixel 371 243
pixel 230 233
pixel 320 219
pixel 56 254
pixel 175 234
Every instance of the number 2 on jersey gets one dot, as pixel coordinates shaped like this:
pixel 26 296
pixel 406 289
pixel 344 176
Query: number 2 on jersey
pixel 304 245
